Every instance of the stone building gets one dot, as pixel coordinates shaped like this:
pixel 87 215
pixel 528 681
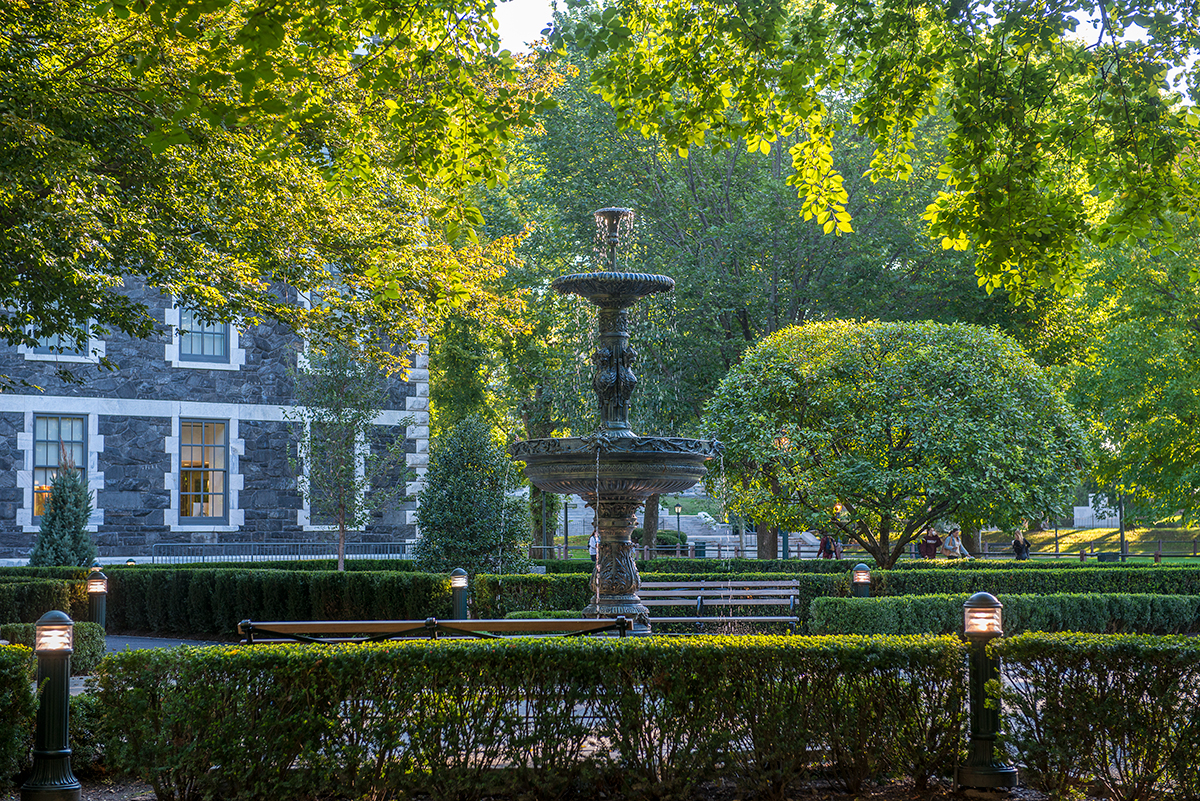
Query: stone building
pixel 186 442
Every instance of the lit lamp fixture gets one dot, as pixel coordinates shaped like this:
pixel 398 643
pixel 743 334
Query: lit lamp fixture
pixel 129 562
pixel 678 510
pixel 97 590
pixel 860 581
pixel 982 622
pixel 458 592
pixel 51 778
pixel 95 568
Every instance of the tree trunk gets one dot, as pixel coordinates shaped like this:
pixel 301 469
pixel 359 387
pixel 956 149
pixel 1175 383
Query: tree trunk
pixel 650 523
pixel 341 543
pixel 768 542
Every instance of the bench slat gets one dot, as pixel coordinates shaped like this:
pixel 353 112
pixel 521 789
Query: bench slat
pixel 717 602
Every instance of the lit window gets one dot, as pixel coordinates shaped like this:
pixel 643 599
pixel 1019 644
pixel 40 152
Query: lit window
pixel 200 341
pixel 58 442
pixel 202 470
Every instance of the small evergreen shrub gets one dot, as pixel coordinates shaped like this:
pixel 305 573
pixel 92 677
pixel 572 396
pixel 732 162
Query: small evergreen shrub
pixel 63 539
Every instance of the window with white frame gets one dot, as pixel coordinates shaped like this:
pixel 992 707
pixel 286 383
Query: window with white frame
pixel 59 348
pixel 203 471
pixel 59 442
pixel 200 341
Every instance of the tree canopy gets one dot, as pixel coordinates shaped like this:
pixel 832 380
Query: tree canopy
pixel 1059 130
pixel 331 205
pixel 879 429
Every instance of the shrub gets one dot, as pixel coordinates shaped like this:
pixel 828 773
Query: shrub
pixel 1156 580
pixel 89 643
pixel 1118 710
pixel 16 710
pixel 943 614
pixel 26 601
pixel 440 717
pixel 63 539
pixel 213 602
pixel 714 566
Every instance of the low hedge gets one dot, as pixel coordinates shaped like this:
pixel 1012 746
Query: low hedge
pixel 1120 711
pixel 24 601
pixel 496 596
pixel 89 643
pixel 440 717
pixel 943 614
pixel 406 565
pixel 1109 579
pixel 211 602
pixel 16 710
pixel 1067 562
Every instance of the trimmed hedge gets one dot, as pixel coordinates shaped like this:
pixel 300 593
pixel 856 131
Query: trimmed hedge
pixel 440 717
pixel 26 601
pixel 1110 579
pixel 1066 562
pixel 403 565
pixel 213 601
pixel 1122 711
pixel 496 596
pixel 16 710
pixel 943 614
pixel 89 643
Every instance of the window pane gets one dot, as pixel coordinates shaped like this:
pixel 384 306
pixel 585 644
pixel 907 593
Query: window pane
pixel 202 482
pixel 53 438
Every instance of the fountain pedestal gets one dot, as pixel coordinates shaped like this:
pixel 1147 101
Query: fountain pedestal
pixel 615 470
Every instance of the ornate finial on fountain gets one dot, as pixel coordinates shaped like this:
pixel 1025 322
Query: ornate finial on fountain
pixel 609 222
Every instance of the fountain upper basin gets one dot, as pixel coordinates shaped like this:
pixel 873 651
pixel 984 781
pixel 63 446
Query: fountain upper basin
pixel 629 466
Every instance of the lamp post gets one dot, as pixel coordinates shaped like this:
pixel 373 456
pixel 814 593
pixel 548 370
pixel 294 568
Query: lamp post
pixel 51 778
pixel 97 590
pixel 678 509
pixel 860 581
pixel 458 592
pixel 981 624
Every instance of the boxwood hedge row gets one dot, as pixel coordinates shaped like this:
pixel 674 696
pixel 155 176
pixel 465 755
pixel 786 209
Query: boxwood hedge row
pixel 88 648
pixel 1120 711
pixel 25 600
pixel 706 566
pixel 16 710
pixel 1122 579
pixel 441 717
pixel 943 614
pixel 213 601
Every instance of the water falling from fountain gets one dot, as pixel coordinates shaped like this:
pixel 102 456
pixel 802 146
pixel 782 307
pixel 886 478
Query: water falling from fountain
pixel 634 467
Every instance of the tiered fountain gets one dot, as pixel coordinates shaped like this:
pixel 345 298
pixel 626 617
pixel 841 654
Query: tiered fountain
pixel 615 470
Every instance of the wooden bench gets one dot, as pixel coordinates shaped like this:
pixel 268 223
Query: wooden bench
pixel 342 631
pixel 705 594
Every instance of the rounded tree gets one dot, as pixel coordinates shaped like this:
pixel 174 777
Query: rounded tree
pixel 879 429
pixel 467 513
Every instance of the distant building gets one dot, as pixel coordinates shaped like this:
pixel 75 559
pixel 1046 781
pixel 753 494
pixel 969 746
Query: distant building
pixel 185 443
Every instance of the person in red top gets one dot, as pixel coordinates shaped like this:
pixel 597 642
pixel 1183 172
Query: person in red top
pixel 825 547
pixel 930 542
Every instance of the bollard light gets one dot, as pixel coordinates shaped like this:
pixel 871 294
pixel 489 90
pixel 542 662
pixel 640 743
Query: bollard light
pixel 51 778
pixel 95 568
pixel 860 581
pixel 129 562
pixel 97 589
pixel 458 592
pixel 983 622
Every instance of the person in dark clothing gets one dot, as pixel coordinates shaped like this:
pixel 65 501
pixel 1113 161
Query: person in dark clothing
pixel 929 544
pixel 1020 545
pixel 825 547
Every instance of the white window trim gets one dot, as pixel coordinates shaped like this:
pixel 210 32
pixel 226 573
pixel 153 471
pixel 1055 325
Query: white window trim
pixel 95 446
pixel 234 480
pixel 96 349
pixel 237 354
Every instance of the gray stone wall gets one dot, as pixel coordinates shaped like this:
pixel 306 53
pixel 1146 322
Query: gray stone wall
pixel 134 408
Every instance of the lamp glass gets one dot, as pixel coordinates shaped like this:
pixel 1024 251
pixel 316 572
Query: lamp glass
pixel 982 622
pixel 55 637
pixel 458 579
pixel 862 575
pixel 97 584
pixel 678 508
pixel 130 562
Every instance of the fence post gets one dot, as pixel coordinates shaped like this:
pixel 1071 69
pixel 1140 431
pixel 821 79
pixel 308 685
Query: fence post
pixel 691 550
pixel 678 550
pixel 1083 556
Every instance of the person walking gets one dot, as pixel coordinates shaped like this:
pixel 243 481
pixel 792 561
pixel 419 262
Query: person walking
pixel 1020 545
pixel 593 546
pixel 929 544
pixel 953 546
pixel 825 546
